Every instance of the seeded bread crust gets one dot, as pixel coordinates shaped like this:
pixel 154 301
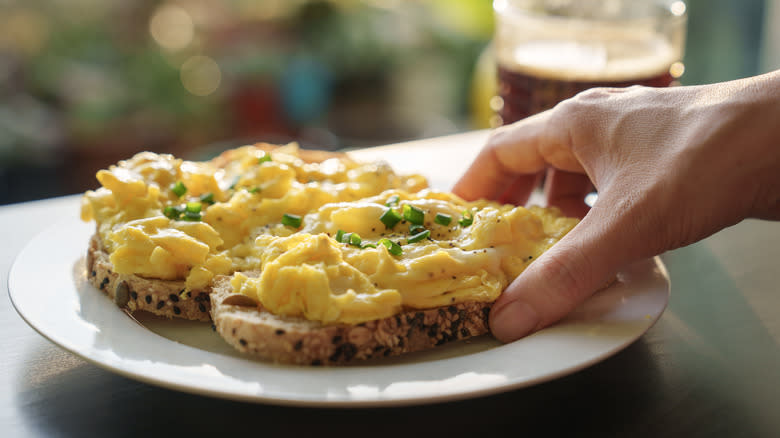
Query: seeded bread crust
pixel 161 297
pixel 293 340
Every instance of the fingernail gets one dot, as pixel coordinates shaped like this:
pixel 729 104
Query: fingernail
pixel 513 321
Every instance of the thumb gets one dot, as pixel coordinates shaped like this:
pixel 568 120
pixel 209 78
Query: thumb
pixel 563 277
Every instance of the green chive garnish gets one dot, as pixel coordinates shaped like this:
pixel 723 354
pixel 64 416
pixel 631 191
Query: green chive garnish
pixel 414 228
pixel 393 200
pixel 191 216
pixel 368 245
pixel 179 189
pixel 194 207
pixel 354 239
pixel 413 214
pixel 264 158
pixel 291 220
pixel 340 236
pixel 419 236
pixel 392 247
pixel 207 198
pixel 442 219
pixel 172 212
pixel 390 218
pixel 466 219
pixel 254 189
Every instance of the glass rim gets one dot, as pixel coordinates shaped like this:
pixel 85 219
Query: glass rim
pixel 677 12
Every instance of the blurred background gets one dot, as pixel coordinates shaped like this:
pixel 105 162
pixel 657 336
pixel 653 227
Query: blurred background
pixel 85 83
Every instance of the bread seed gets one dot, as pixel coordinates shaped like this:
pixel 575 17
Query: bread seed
pixel 121 294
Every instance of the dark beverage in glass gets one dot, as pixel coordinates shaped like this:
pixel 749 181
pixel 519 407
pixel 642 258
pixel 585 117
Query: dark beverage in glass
pixel 550 50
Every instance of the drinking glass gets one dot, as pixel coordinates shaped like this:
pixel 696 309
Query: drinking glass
pixel 550 50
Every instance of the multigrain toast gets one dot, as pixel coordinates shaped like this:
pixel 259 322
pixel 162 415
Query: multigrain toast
pixel 426 271
pixel 161 297
pixel 287 339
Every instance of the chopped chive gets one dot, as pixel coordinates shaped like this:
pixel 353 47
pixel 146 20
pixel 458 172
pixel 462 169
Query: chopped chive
pixel 291 220
pixel 207 198
pixel 354 239
pixel 235 182
pixel 393 200
pixel 466 219
pixel 414 228
pixel 413 214
pixel 392 247
pixel 179 189
pixel 368 245
pixel 254 189
pixel 442 219
pixel 340 236
pixel 390 218
pixel 265 158
pixel 191 216
pixel 345 237
pixel 419 236
pixel 172 212
pixel 194 207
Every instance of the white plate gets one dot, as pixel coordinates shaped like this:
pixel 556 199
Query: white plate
pixel 48 287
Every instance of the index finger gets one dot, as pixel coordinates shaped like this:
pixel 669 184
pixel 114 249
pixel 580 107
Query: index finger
pixel 523 148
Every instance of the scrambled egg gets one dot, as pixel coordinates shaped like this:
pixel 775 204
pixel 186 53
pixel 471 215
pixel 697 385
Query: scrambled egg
pixel 317 273
pixel 162 217
pixel 336 241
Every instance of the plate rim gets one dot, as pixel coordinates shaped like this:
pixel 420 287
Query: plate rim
pixel 311 401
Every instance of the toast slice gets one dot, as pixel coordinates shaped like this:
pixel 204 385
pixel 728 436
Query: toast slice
pixel 166 297
pixel 294 340
pixel 132 292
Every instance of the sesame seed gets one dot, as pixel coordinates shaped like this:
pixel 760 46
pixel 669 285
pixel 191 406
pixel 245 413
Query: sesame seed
pixel 134 294
pixel 160 304
pixel 174 298
pixel 242 341
pixel 279 332
pixel 176 310
pixel 201 307
pixel 148 299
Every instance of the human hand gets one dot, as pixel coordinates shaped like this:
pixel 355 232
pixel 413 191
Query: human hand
pixel 671 166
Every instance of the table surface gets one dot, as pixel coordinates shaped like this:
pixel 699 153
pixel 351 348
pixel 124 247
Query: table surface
pixel 709 367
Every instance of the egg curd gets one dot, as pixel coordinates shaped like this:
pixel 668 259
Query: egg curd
pixel 335 242
pixel 345 264
pixel 165 218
